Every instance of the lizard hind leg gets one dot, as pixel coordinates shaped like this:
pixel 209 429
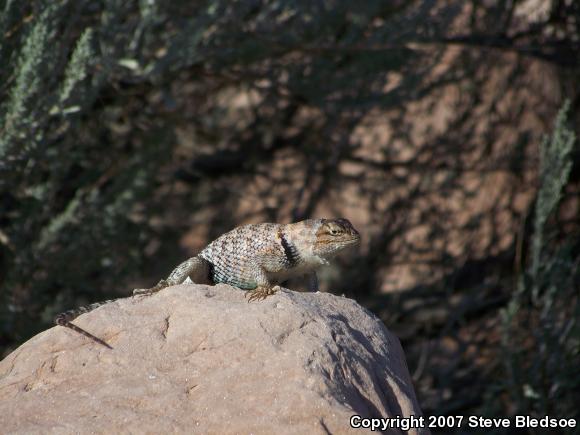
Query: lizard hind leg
pixel 194 267
pixel 149 291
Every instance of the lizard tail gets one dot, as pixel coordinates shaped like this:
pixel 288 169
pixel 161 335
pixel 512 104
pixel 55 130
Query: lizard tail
pixel 70 315
pixel 65 319
pixel 74 327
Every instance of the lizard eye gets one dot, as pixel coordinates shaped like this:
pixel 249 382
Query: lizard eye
pixel 334 232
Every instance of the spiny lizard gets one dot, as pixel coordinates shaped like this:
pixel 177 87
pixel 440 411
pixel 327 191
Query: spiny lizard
pixel 253 257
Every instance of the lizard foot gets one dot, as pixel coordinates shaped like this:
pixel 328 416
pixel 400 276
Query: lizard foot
pixel 261 292
pixel 149 291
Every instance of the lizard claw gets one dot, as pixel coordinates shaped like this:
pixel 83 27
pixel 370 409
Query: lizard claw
pixel 261 293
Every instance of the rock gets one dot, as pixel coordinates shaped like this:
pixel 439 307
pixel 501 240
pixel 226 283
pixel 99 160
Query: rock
pixel 196 358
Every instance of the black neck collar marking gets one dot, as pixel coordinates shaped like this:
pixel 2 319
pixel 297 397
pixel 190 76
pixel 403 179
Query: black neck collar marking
pixel 290 250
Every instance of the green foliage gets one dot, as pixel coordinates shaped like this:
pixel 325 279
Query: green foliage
pixel 77 70
pixel 555 166
pixel 541 324
pixel 68 185
pixel 17 118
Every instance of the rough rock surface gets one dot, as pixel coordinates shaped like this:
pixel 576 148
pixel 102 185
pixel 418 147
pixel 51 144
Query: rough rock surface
pixel 200 359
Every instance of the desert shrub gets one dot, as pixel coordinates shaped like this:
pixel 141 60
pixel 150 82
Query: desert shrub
pixel 541 323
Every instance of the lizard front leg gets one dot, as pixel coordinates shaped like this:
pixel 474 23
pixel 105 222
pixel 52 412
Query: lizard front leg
pixel 261 292
pixel 264 287
pixel 195 267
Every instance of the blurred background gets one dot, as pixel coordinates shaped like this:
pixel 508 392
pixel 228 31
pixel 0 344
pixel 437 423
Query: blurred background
pixel 134 132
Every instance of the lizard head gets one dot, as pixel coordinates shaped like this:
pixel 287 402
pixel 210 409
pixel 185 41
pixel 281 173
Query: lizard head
pixel 334 235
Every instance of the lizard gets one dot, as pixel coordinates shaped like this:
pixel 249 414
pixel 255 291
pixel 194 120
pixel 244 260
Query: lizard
pixel 253 257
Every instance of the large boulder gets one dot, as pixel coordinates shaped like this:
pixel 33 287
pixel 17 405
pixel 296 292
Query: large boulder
pixel 196 358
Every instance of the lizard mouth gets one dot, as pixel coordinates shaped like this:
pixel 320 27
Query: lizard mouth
pixel 354 240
